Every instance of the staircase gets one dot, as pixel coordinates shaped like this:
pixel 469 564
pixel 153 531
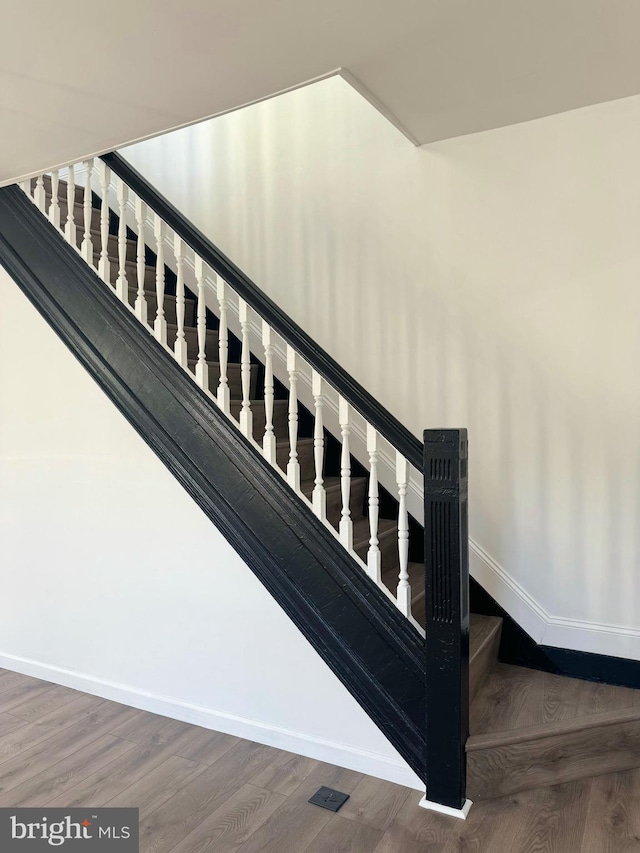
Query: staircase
pixel 527 729
pixel 387 532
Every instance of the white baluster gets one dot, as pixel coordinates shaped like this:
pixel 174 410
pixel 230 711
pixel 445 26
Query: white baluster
pixel 373 554
pixel 319 496
pixel 160 323
pixel 87 244
pixel 70 224
pixel 180 346
pixel 246 415
pixel 293 467
pixel 141 301
pixel 39 195
pixel 26 187
pixel 122 287
pixel 54 207
pixel 346 524
pixel 223 347
pixel 202 368
pixel 269 440
pixel 104 266
pixel 404 590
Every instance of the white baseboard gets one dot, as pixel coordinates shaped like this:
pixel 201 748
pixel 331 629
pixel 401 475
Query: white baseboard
pixel 461 814
pixel 543 627
pixel 343 755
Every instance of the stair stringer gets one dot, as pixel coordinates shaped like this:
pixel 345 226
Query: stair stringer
pixel 375 652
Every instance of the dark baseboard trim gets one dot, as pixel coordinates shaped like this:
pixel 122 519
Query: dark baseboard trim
pixel 518 648
pixel 354 627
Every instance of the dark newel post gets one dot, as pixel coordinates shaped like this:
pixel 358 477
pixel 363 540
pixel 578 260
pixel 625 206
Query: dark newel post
pixel 447 614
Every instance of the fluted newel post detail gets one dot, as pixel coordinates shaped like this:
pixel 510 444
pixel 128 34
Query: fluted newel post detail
pixel 246 415
pixel 223 346
pixel 141 300
pixel 70 224
pixel 122 288
pixel 87 243
pixel 404 589
pixel 180 346
pixel 54 207
pixel 39 195
pixel 346 524
pixel 160 323
pixel 202 368
pixel 373 554
pixel 293 466
pixel 447 615
pixel 269 439
pixel 319 496
pixel 104 266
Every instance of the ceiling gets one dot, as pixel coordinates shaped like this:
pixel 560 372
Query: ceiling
pixel 79 78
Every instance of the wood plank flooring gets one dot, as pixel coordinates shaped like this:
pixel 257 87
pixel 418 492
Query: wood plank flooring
pixel 204 792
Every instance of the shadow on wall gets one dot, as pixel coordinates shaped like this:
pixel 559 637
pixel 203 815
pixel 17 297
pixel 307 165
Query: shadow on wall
pixel 555 484
pixel 555 478
pixel 470 283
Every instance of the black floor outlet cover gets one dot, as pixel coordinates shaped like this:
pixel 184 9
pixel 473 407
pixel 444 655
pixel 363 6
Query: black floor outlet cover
pixel 327 798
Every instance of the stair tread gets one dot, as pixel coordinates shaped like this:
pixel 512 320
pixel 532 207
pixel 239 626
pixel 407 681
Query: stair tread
pixel 515 698
pixel 96 237
pixel 561 727
pixel 331 484
pixel 169 297
pixel 259 404
pixel 235 365
pixel 130 264
pixel 189 328
pixel 285 443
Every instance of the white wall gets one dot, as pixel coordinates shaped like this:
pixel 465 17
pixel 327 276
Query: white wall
pixel 115 582
pixel 489 281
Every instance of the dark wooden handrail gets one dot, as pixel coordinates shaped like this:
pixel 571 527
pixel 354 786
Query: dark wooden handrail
pixel 383 421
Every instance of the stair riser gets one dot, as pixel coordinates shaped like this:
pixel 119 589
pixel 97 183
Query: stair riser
pixel 553 759
pixel 131 273
pixel 112 247
pixel 388 544
pixel 280 418
pixel 482 662
pixel 169 307
pixel 234 379
pixel 191 335
pixel 78 216
pixel 305 458
pixel 356 503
